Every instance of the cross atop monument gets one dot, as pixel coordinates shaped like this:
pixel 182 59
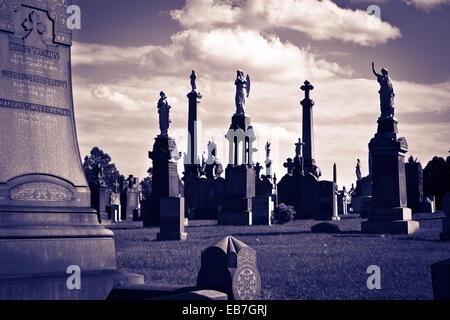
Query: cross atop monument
pixel 307 87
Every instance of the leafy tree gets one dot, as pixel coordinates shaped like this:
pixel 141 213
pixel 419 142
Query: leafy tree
pixel 436 178
pixel 147 184
pixel 110 172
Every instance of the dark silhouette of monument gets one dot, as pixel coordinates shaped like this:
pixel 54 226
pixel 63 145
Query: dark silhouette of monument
pixel 239 174
pixel 389 213
pixel 165 175
pixel 299 187
pixel 47 224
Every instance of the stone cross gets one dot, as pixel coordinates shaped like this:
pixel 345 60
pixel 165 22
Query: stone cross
pixel 289 164
pixel 307 87
pixel 116 186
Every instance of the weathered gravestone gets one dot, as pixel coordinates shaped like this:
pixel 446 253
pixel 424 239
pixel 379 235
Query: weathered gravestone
pixel 99 195
pixel 129 197
pixel 230 266
pixel 327 201
pixel 46 220
pixel 414 185
pixel 428 204
pixel 445 204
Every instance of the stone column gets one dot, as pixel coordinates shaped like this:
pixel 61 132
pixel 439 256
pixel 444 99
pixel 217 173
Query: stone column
pixel 308 129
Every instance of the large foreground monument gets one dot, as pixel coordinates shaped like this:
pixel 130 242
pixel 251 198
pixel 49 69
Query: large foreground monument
pixel 47 227
pixel 389 212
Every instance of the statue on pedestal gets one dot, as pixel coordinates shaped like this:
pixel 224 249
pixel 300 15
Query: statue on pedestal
pixel 358 170
pixel 386 93
pixel 163 110
pixel 242 91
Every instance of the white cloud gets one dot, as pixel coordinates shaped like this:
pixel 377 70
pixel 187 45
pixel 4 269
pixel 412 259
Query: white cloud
pixel 119 113
pixel 320 20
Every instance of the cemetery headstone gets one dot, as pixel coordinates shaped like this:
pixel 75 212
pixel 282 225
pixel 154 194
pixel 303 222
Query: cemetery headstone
pixel 414 185
pixel 428 204
pixel 230 266
pixel 45 202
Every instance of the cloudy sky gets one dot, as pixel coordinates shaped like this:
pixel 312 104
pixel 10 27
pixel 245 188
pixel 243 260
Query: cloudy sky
pixel 128 51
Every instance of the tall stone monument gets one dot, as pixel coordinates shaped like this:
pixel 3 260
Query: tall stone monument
pixel 239 174
pixel 309 163
pixel 165 156
pixel 192 167
pixel 389 212
pixel 299 187
pixel 47 225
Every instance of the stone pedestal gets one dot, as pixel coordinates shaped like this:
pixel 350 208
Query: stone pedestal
pixel 389 199
pixel 165 176
pixel 239 191
pixel 172 219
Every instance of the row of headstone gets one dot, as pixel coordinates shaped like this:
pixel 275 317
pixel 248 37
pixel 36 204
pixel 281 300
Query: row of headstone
pixel 416 201
pixel 116 205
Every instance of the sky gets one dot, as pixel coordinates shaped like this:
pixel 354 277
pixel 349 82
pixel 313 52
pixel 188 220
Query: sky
pixel 128 51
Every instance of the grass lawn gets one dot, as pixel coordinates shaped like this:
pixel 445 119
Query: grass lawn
pixel 293 262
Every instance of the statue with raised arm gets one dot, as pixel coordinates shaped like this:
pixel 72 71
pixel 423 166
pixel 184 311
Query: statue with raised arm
pixel 242 91
pixel 163 110
pixel 386 93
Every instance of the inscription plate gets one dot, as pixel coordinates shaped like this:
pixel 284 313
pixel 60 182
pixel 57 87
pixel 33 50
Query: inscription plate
pixel 37 127
pixel 40 191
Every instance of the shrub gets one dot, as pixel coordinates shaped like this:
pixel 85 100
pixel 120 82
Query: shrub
pixel 283 214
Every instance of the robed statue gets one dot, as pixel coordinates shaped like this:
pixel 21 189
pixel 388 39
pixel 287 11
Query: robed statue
pixel 163 110
pixel 386 93
pixel 242 91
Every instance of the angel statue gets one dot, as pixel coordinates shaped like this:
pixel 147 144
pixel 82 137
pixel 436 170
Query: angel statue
pixel 386 93
pixel 242 91
pixel 163 110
